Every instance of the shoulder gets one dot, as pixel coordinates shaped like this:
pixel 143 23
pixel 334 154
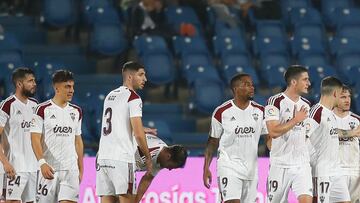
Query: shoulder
pixel 33 100
pixel 306 101
pixel 220 110
pixel 40 109
pixel 6 104
pixel 77 109
pixel 133 95
pixel 275 100
pixel 316 113
pixel 258 106
pixel 353 115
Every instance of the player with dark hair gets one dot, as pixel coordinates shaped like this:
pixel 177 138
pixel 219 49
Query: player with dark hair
pixel 57 144
pixel 122 128
pixel 163 156
pixel 289 156
pixel 16 113
pixel 236 126
pixel 329 183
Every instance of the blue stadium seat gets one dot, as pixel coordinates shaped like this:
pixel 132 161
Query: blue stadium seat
pixel 317 73
pixel 348 31
pixel 162 127
pixel 313 60
pixel 108 39
pixel 349 66
pixel 159 68
pixel 267 45
pixel 229 44
pixel 90 85
pixel 345 45
pixel 23 21
pixel 287 6
pixel 231 71
pixel 59 13
pixel 223 30
pixel 309 30
pixel 101 12
pixel 195 59
pixel 272 69
pixel 304 15
pixel 150 44
pixel 189 45
pixel 204 102
pixel 194 72
pixel 163 109
pixel 191 140
pixel 307 46
pixel 270 29
pixel 9 61
pixel 328 8
pixel 8 42
pixel 238 59
pixel 346 16
pixel 176 15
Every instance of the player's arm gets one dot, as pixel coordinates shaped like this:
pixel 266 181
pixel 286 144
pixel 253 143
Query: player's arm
pixel 139 133
pixel 143 186
pixel 46 169
pixel 9 169
pixel 349 133
pixel 277 129
pixel 211 146
pixel 79 146
pixel 152 131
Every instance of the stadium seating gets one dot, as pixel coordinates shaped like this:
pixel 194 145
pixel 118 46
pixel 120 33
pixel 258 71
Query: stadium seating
pixel 59 13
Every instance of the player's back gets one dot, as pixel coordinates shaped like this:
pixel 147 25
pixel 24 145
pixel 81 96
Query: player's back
pixel 290 149
pixel 325 139
pixel 117 141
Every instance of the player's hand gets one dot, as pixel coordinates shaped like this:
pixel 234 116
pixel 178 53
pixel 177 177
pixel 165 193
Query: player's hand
pixel 300 115
pixel 149 166
pixel 207 178
pixel 152 131
pixel 356 131
pixel 47 171
pixel 9 170
pixel 80 176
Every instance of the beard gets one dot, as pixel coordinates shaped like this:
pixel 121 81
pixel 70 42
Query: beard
pixel 28 93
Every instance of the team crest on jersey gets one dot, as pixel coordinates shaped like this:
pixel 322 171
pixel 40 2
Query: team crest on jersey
pixel 270 197
pixel 322 199
pixel 10 191
pixel 352 125
pixel 72 115
pixel 255 116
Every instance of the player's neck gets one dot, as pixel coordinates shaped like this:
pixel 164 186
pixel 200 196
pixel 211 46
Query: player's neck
pixel 21 97
pixel 292 94
pixel 327 102
pixel 128 85
pixel 241 103
pixel 341 113
pixel 58 101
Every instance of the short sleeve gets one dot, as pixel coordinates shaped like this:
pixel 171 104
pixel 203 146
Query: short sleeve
pixel 37 124
pixel 4 117
pixel 271 113
pixel 78 131
pixel 216 128
pixel 311 125
pixel 135 108
pixel 264 130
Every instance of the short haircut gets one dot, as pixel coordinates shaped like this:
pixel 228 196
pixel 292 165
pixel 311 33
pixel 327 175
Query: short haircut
pixel 178 155
pixel 237 78
pixel 132 66
pixel 20 74
pixel 347 88
pixel 62 76
pixel 293 72
pixel 329 84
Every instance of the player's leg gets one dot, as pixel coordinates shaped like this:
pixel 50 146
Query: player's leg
pixel 15 188
pixel 46 189
pixel 127 198
pixel 68 186
pixel 28 194
pixel 278 185
pixel 338 190
pixel 104 184
pixel 230 187
pixel 302 184
pixel 354 188
pixel 249 191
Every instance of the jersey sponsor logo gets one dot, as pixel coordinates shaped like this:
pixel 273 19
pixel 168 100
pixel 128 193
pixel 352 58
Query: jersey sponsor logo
pixel 25 124
pixel 62 129
pixel 244 130
pixel 346 139
pixel 333 133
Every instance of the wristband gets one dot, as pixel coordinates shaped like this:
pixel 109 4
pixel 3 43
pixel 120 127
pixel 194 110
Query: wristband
pixel 41 162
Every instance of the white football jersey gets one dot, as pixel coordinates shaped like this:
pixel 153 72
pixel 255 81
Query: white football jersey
pixel 290 149
pixel 325 140
pixel 349 147
pixel 239 133
pixel 15 117
pixel 155 145
pixel 117 141
pixel 58 127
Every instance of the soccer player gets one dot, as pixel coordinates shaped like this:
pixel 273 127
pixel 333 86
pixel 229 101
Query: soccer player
pixel 329 184
pixel 236 126
pixel 121 128
pixel 16 113
pixel 57 144
pixel 163 156
pixel 349 147
pixel 289 157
